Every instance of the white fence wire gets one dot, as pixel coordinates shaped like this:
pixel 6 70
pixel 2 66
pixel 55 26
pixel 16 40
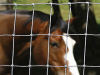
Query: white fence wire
pixel 49 34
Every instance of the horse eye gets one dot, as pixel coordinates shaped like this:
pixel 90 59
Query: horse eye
pixel 54 44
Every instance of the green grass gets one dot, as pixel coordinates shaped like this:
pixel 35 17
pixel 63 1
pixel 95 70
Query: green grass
pixel 96 8
pixel 46 8
pixel 96 0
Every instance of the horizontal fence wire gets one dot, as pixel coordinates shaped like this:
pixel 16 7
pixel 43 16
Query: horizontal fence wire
pixel 95 35
pixel 49 66
pixel 67 3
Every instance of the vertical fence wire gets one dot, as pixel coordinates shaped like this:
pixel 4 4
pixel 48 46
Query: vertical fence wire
pixel 84 65
pixel 31 39
pixel 66 66
pixel 12 65
pixel 49 34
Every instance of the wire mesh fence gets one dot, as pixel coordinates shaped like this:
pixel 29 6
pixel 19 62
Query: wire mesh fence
pixel 31 34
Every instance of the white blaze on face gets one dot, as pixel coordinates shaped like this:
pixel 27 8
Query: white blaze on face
pixel 69 56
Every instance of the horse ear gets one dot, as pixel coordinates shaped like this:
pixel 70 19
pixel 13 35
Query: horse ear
pixel 57 21
pixel 56 17
pixel 57 12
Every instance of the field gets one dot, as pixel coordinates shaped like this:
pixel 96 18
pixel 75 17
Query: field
pixel 46 8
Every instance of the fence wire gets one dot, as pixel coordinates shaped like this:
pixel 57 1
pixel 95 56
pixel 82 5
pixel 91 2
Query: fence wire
pixel 49 34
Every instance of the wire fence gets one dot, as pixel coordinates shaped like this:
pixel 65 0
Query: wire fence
pixel 49 34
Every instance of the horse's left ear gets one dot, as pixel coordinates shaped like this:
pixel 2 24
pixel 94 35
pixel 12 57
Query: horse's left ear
pixel 56 17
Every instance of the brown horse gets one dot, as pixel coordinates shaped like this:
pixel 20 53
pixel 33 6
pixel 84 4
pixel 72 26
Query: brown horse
pixel 57 50
pixel 23 27
pixel 22 22
pixel 57 45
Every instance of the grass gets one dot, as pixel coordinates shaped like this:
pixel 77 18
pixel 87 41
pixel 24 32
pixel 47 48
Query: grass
pixel 46 8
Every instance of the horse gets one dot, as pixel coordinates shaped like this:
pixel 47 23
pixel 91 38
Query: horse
pixel 40 21
pixel 57 49
pixel 23 21
pixel 55 40
pixel 79 12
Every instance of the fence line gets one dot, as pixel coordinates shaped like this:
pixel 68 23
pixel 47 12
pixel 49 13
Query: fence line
pixel 67 3
pixel 49 34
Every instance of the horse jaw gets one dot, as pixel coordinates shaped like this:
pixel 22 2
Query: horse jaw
pixel 69 56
